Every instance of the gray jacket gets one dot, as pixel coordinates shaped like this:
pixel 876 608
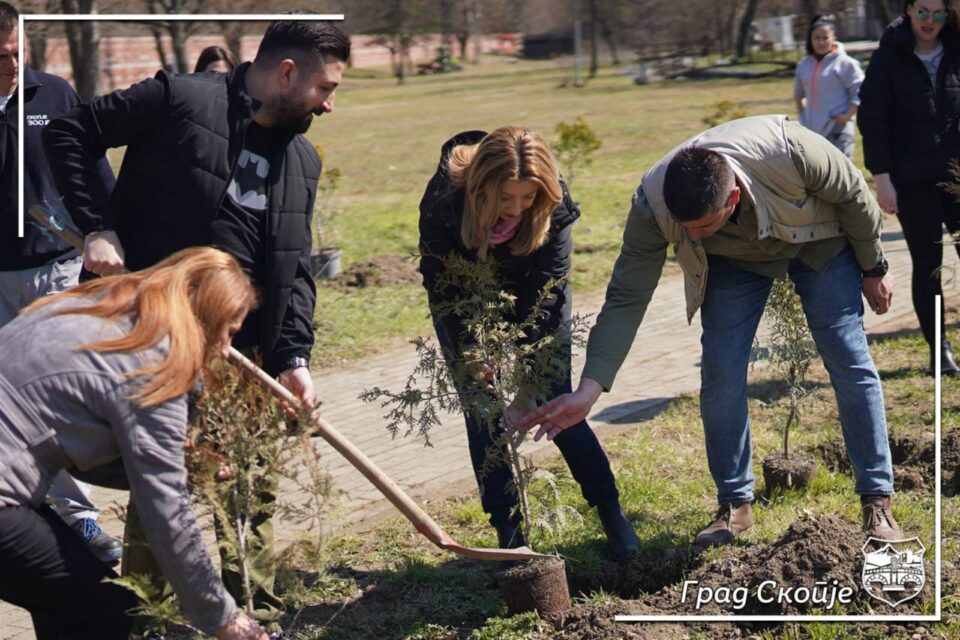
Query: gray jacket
pixel 65 408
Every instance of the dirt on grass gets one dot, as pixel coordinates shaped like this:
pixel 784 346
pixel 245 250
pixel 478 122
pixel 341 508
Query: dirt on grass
pixel 378 271
pixel 826 550
pixel 913 460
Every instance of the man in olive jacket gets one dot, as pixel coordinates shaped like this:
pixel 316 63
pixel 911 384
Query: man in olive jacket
pixel 747 202
pixel 216 159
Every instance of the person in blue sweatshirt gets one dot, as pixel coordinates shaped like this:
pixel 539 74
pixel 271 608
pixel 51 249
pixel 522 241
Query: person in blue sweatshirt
pixel 826 86
pixel 40 263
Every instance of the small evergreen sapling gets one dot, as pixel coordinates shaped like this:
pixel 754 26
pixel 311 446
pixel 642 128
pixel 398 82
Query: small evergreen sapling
pixel 525 362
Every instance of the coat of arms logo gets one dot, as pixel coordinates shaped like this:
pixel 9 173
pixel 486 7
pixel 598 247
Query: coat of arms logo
pixel 893 569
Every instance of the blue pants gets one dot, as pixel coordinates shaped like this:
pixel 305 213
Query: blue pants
pixel 731 311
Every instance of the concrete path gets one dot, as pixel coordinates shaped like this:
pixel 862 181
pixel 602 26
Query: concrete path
pixel 662 364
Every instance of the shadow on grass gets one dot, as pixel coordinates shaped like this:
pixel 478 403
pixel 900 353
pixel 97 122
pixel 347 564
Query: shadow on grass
pixel 395 603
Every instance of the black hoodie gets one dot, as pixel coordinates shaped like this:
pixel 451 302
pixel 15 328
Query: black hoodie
pixel 45 97
pixel 909 129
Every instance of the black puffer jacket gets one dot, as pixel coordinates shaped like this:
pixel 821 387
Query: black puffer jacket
pixel 184 135
pixel 909 130
pixel 441 215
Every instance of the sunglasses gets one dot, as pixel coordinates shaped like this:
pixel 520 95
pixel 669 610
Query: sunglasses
pixel 923 13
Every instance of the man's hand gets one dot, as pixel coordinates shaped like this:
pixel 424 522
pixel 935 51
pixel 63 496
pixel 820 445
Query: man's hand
pixel 886 193
pixel 879 293
pixel 103 254
pixel 300 383
pixel 563 411
pixel 241 628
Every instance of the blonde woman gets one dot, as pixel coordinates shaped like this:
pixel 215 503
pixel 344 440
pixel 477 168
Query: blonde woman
pixel 98 381
pixel 500 195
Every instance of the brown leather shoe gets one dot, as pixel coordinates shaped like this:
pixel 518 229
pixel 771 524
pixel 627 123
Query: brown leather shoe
pixel 730 521
pixel 878 518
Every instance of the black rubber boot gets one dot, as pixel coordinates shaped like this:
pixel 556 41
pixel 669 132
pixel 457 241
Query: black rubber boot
pixel 948 365
pixel 510 534
pixel 621 537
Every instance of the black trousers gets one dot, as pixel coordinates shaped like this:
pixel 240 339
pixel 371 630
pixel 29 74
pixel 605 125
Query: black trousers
pixel 48 570
pixel 580 449
pixel 924 209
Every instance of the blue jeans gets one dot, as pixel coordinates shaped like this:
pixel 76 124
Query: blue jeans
pixel 832 303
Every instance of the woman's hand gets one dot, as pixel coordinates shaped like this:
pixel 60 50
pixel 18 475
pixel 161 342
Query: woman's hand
pixel 886 193
pixel 241 628
pixel 485 371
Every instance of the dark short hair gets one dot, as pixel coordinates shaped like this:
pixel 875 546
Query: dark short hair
pixel 306 42
pixel 816 23
pixel 214 53
pixel 697 182
pixel 9 17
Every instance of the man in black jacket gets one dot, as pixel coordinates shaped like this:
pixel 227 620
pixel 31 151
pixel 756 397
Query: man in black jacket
pixel 217 159
pixel 39 263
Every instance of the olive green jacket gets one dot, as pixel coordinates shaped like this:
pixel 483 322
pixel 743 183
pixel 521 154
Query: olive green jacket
pixel 801 198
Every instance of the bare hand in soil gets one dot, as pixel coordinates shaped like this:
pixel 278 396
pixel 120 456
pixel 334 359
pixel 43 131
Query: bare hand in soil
pixel 241 628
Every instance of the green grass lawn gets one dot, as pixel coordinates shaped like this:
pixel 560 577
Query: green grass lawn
pixel 389 583
pixel 386 140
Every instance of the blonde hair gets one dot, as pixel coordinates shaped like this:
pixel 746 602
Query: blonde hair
pixel 190 297
pixel 482 169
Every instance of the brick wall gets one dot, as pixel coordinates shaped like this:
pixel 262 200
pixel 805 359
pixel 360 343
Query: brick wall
pixel 127 60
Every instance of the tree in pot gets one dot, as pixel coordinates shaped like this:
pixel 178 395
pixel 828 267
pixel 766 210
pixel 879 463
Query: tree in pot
pixel 525 364
pixel 325 256
pixel 790 354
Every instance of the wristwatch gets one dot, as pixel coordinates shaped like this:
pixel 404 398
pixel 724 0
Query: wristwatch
pixel 294 363
pixel 878 271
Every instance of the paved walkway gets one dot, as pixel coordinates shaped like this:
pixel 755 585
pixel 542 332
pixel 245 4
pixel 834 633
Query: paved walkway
pixel 662 364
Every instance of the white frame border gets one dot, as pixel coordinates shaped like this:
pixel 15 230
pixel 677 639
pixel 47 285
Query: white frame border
pixel 937 617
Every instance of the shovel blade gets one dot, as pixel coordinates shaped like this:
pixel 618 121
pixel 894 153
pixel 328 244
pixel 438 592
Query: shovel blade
pixel 520 553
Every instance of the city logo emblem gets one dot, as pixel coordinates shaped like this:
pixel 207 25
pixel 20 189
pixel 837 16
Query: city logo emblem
pixel 893 569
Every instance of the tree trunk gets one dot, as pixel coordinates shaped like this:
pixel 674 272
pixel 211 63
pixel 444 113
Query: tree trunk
pixel 463 38
pixel 178 31
pixel 233 36
pixel 743 33
pixel 883 12
pixel 83 40
pixel 609 38
pixel 809 8
pixel 594 31
pixel 161 52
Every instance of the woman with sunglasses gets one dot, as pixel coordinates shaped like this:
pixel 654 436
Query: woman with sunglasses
pixel 499 196
pixel 99 380
pixel 909 117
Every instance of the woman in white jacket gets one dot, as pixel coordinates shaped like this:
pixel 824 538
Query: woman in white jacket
pixel 827 86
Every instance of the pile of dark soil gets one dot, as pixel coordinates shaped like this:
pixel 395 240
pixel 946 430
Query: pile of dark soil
pixel 826 549
pixel 950 462
pixel 913 460
pixel 379 271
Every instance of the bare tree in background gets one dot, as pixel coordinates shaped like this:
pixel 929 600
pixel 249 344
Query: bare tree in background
pixel 36 33
pixel 746 22
pixel 83 40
